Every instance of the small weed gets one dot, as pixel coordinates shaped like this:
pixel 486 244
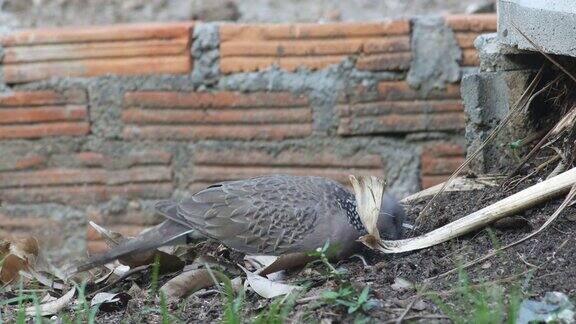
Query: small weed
pixel 154 276
pixel 479 303
pixel 166 317
pixel 322 254
pixel 84 311
pixel 515 148
pixel 346 297
pixel 277 312
pixel 232 303
pixel 21 315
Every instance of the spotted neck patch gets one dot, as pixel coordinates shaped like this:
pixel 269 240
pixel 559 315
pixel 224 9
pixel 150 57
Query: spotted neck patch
pixel 348 203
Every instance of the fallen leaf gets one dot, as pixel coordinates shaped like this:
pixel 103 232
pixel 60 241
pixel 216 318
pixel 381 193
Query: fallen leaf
pixel 419 305
pixel 4 248
pixel 11 267
pixel 401 284
pixel 21 256
pixel 260 261
pixel 54 306
pixel 111 238
pixel 191 281
pixel 47 298
pixel 26 248
pixel 236 284
pixel 42 278
pixel 109 302
pixel 266 287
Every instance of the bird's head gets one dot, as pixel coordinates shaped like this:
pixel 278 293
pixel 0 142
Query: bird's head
pixel 391 218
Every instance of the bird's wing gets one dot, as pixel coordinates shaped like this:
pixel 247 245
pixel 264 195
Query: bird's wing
pixel 269 215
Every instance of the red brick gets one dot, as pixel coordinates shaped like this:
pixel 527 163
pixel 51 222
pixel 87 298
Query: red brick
pixel 221 99
pixel 58 52
pixel 120 32
pixel 229 32
pixel 145 158
pixel 384 62
pixel 238 132
pixel 85 194
pixel 387 45
pixel 18 73
pixel 44 130
pixel 292 48
pixel 400 90
pixel 127 160
pixel 443 149
pixel 126 230
pixel 430 181
pixel 23 223
pixel 39 98
pixel 396 123
pixel 472 22
pixel 254 158
pixel 466 40
pixel 17 227
pixel 470 57
pixel 89 158
pixel 96 246
pixel 211 174
pixel 84 176
pixel 251 64
pixel 30 162
pixel 438 161
pixel 244 116
pixel 439 165
pixel 42 114
pixel 315 47
pixel 220 165
pixel 401 107
pixel 140 217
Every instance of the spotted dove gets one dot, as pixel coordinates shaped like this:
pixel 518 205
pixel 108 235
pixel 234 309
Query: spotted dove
pixel 271 215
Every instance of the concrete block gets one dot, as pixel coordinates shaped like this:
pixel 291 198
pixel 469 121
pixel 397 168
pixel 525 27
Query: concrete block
pixel 488 97
pixel 548 23
pixel 495 56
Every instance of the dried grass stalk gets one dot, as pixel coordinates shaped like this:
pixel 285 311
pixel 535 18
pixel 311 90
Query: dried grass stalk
pixel 511 205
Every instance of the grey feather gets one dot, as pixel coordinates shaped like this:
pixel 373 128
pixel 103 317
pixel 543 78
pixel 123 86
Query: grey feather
pixel 273 214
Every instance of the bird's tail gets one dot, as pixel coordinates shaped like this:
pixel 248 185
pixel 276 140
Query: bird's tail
pixel 165 233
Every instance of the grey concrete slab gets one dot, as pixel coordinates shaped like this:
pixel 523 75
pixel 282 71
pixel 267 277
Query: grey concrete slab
pixel 551 24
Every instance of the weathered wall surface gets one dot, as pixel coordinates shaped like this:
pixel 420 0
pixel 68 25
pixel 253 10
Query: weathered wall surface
pixel 99 123
pixel 43 13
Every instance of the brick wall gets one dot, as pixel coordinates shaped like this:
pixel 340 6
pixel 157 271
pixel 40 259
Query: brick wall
pixel 97 123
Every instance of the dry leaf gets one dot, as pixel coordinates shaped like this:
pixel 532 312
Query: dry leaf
pixel 190 282
pixel 369 191
pixel 42 278
pixel 401 284
pixel 54 306
pixel 21 256
pixel 4 248
pixel 260 261
pixel 266 287
pixel 11 267
pixel 109 302
pixel 168 263
pixel 26 248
